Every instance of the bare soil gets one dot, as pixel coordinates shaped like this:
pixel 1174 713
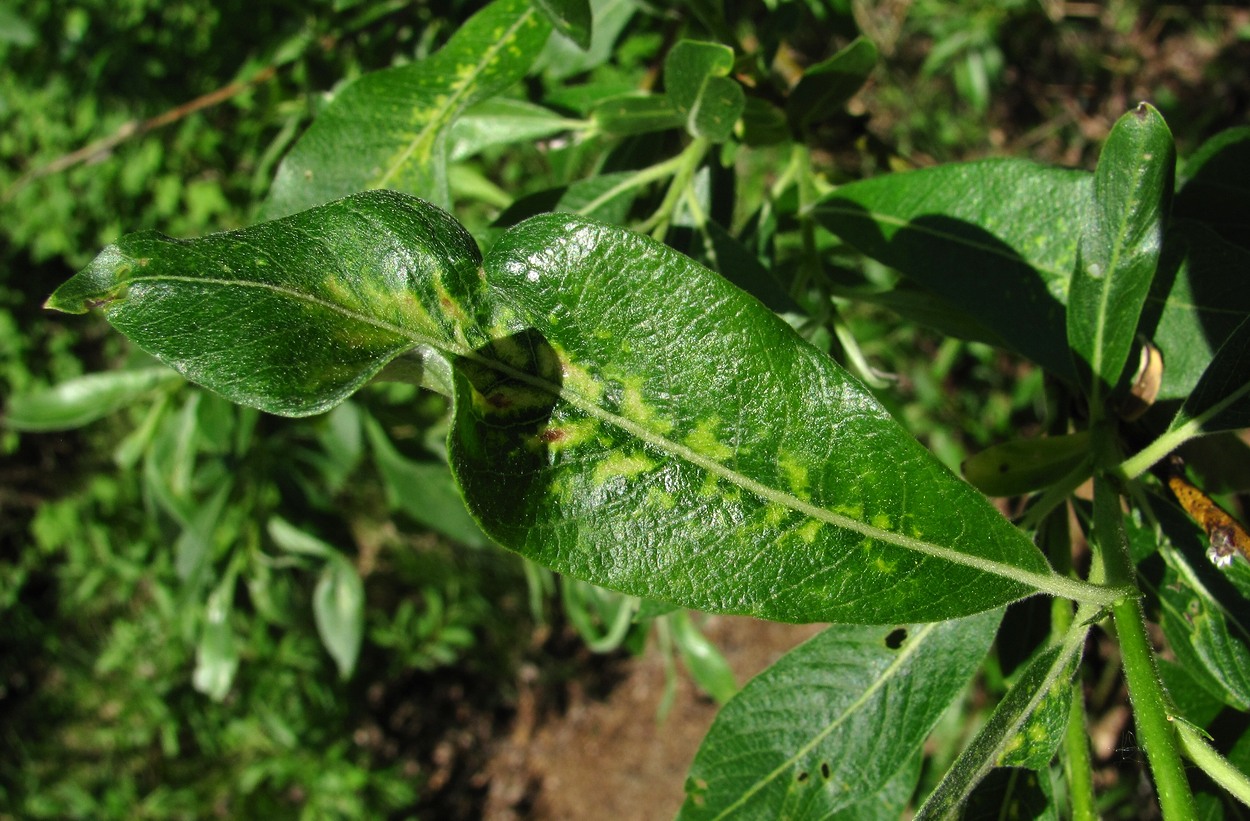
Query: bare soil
pixel 612 756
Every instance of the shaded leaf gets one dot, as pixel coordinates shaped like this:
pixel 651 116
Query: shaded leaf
pixel 995 237
pixel 1047 670
pixel 84 399
pixel 422 490
pixel 570 17
pixel 1197 300
pixel 696 79
pixel 1215 186
pixel 1120 247
pixel 826 726
pixel 389 128
pixel 826 86
pixel 1012 793
pixel 1221 399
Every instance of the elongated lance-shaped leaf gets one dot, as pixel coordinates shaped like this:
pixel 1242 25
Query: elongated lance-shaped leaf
pixel 1048 670
pixel 827 726
pixel 622 414
pixel 1221 400
pixel 388 129
pixel 826 86
pixel 290 316
pixel 1119 250
pixel 995 237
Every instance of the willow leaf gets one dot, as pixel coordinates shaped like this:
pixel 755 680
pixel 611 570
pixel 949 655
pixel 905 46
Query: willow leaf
pixel 857 701
pixel 389 128
pixel 1120 247
pixel 622 414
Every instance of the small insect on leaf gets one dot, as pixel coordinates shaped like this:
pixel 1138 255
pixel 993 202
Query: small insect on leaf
pixel 1225 535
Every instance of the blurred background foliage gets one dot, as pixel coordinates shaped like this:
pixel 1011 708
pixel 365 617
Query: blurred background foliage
pixel 162 651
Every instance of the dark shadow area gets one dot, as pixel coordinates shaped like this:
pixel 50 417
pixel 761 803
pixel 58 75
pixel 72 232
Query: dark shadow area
pixel 499 442
pixel 995 287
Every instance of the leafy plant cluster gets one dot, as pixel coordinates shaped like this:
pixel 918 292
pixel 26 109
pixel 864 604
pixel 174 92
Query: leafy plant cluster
pixel 659 409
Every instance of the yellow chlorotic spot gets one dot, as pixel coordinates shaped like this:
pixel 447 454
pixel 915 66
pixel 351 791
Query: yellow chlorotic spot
pixel 578 380
pixel 809 530
pixel 775 514
pixel 710 486
pixel 795 473
pixel 883 566
pixel 621 465
pixel 634 407
pixel 881 521
pixel 855 512
pixel 658 499
pixel 703 440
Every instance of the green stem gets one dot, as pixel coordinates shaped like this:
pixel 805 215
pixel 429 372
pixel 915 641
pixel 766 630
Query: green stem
pixel 1150 710
pixel 690 159
pixel 1140 462
pixel 1218 767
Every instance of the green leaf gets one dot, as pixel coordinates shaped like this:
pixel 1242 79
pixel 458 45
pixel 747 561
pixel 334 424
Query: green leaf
pixel 570 17
pixel 995 237
pixel 622 414
pixel 500 121
pixel 339 610
pixel 290 316
pixel 1048 669
pixel 1196 302
pixel 1034 744
pixel 696 79
pixel 80 401
pixel 390 128
pixel 216 652
pixel 623 116
pixel 826 86
pixel 857 701
pixel 1221 400
pixel 423 490
pixel 705 663
pixel 1022 466
pixel 191 551
pixel 1119 249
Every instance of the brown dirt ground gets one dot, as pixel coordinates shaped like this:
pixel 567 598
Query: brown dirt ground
pixel 611 757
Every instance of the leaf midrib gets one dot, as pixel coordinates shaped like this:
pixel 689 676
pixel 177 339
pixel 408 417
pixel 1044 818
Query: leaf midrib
pixel 444 114
pixel 887 675
pixel 1042 582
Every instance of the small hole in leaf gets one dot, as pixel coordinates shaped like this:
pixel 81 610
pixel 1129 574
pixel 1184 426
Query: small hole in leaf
pixel 824 770
pixel 896 638
pixel 802 776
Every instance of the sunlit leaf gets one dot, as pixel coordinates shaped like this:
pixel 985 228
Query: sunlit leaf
pixel 622 414
pixel 827 726
pixel 84 399
pixel 1120 247
pixel 390 128
pixel 339 610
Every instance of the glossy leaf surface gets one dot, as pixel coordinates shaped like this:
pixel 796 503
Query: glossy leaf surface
pixel 622 414
pixel 389 128
pixel 827 726
pixel 1120 247
pixel 995 237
